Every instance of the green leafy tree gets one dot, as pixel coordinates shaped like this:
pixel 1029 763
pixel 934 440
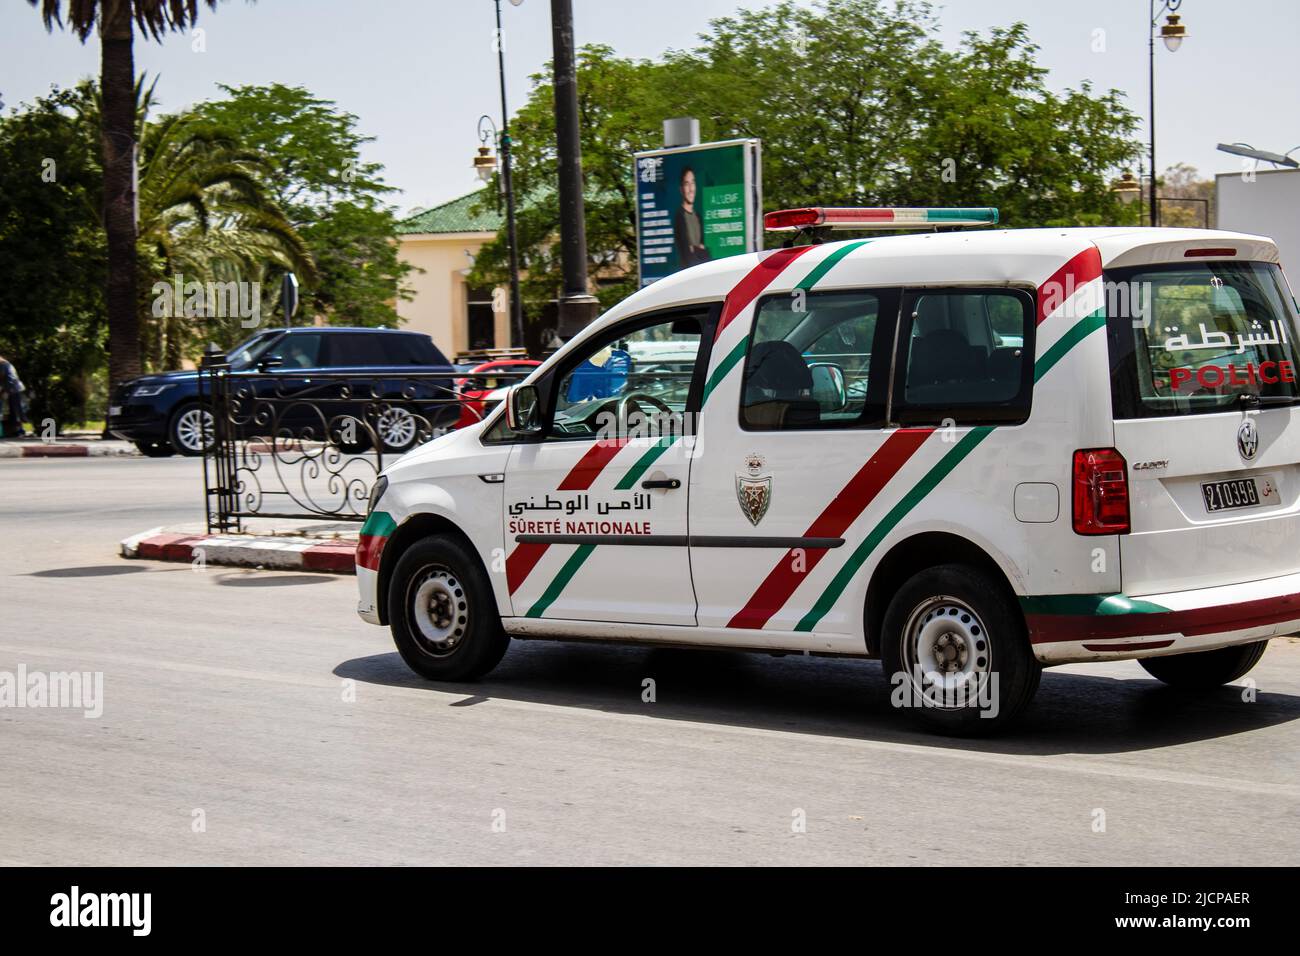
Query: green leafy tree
pixel 856 102
pixel 116 22
pixel 333 197
pixel 52 324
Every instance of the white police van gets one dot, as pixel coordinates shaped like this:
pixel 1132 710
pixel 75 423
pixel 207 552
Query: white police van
pixel 970 454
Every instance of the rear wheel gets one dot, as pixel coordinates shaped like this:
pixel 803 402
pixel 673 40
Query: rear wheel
pixel 956 653
pixel 442 611
pixel 397 428
pixel 1202 670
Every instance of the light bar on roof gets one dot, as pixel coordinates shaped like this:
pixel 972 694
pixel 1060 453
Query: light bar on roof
pixel 876 217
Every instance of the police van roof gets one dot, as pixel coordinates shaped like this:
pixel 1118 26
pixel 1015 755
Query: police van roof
pixel 985 256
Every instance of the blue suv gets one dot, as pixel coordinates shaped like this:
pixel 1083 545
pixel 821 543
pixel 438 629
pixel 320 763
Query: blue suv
pixel 161 414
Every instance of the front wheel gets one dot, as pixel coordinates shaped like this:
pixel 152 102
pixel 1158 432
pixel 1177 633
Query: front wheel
pixel 1202 670
pixel 191 430
pixel 956 653
pixel 442 611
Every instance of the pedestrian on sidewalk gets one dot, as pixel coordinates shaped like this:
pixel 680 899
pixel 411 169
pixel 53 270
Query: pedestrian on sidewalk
pixel 13 401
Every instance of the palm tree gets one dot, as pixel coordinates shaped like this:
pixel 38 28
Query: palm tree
pixel 207 214
pixel 117 20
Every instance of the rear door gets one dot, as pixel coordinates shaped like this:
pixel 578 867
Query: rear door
pixel 792 451
pixel 1204 385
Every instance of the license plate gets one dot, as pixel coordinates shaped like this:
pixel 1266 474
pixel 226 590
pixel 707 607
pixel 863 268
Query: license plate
pixel 114 411
pixel 1238 493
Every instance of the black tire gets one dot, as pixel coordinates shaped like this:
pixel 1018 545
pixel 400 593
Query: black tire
pixel 988 642
pixel 179 430
pixel 454 574
pixel 155 449
pixel 1202 670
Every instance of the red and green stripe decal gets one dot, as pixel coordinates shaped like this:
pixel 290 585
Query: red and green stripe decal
pixel 374 535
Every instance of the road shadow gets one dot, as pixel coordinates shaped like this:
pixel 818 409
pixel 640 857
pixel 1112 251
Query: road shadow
pixel 260 579
pixel 92 571
pixel 1071 714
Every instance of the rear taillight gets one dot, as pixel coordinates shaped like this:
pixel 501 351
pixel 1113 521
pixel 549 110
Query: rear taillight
pixel 1100 492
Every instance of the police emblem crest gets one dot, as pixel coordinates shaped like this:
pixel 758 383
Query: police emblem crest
pixel 753 489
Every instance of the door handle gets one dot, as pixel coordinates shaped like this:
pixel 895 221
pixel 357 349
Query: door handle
pixel 669 483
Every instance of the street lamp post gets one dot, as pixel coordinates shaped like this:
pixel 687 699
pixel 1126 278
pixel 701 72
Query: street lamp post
pixel 577 306
pixel 484 165
pixel 1172 32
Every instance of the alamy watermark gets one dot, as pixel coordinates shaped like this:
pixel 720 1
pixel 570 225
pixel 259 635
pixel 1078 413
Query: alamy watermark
pixel 208 300
pixel 72 690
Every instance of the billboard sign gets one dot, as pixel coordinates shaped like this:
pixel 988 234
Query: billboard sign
pixel 695 204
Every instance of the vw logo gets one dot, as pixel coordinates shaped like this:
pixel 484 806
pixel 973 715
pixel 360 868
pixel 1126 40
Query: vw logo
pixel 1248 439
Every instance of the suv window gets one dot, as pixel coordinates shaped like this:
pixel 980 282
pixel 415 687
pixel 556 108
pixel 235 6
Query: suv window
pixel 364 349
pixel 966 356
pixel 810 361
pixel 410 349
pixel 299 351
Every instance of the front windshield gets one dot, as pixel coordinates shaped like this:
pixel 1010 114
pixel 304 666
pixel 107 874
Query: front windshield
pixel 247 352
pixel 644 373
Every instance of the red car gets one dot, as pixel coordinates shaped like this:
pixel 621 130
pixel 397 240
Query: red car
pixel 475 388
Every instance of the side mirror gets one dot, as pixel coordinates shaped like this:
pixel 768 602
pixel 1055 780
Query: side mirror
pixel 829 390
pixel 269 361
pixel 523 410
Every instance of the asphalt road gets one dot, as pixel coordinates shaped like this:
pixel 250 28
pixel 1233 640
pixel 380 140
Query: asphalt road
pixel 250 717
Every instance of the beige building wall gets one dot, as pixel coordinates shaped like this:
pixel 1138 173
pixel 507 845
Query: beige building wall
pixel 439 307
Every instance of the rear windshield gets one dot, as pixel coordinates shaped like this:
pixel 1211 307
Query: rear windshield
pixel 1194 338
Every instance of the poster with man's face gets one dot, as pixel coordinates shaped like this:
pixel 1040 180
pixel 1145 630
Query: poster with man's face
pixel 692 206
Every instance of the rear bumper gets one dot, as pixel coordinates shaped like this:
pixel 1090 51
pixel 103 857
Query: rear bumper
pixel 1068 628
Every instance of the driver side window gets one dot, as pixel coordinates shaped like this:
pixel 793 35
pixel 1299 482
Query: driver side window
pixel 638 381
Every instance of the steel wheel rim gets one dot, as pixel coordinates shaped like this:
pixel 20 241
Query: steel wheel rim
pixel 396 427
pixel 439 610
pixel 194 429
pixel 946 643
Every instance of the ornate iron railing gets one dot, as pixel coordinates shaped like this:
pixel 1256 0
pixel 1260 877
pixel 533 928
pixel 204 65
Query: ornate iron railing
pixel 290 445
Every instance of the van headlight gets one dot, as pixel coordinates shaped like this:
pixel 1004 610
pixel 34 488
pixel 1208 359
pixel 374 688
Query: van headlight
pixel 149 391
pixel 376 492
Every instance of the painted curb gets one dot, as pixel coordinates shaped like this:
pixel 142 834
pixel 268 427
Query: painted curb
pixel 43 450
pixel 279 553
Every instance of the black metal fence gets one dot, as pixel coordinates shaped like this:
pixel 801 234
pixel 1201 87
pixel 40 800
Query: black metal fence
pixel 303 444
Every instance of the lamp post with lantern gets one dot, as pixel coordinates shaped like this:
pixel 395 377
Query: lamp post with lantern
pixel 1172 32
pixel 485 165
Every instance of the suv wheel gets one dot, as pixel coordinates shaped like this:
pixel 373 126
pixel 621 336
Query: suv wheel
pixel 956 653
pixel 397 428
pixel 191 429
pixel 1201 670
pixel 443 613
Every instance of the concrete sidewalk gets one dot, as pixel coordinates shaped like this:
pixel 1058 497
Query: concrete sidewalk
pixel 75 445
pixel 265 543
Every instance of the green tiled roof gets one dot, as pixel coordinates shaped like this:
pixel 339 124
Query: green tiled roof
pixel 475 212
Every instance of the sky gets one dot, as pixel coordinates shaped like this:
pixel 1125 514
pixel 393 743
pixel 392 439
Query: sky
pixel 419 73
